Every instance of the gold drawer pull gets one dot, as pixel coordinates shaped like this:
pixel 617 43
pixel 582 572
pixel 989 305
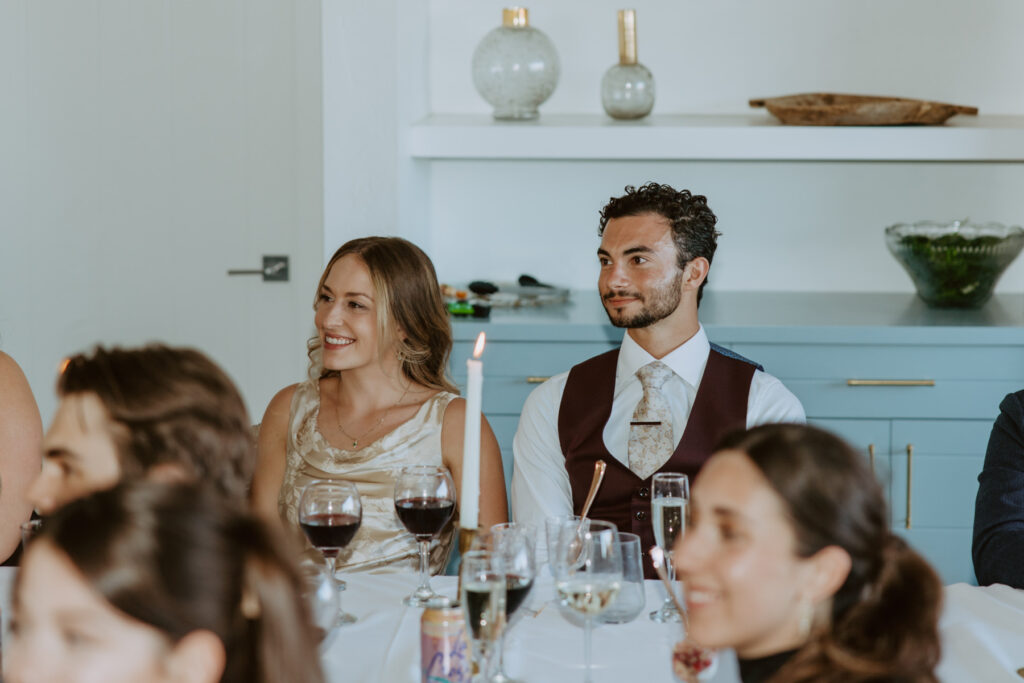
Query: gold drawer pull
pixel 533 379
pixel 910 470
pixel 890 383
pixel 871 456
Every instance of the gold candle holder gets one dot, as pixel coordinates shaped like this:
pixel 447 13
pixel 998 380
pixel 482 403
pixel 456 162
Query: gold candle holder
pixel 466 538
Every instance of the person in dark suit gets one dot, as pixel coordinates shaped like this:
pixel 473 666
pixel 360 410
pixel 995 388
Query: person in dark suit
pixel 998 547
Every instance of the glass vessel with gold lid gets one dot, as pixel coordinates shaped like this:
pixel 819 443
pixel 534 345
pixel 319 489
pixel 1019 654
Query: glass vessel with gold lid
pixel 515 67
pixel 627 89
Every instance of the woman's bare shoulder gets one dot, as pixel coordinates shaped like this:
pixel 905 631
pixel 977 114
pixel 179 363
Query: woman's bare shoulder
pixel 280 406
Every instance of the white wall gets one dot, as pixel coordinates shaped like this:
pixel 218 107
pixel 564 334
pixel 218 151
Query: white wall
pixel 787 226
pixel 714 55
pixel 147 146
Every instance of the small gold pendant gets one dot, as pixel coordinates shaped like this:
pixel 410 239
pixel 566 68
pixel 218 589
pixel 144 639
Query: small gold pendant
pixel 354 444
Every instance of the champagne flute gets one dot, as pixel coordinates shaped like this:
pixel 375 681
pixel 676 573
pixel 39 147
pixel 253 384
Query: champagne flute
pixel 424 502
pixel 330 513
pixel 670 505
pixel 587 581
pixel 484 591
pixel 513 548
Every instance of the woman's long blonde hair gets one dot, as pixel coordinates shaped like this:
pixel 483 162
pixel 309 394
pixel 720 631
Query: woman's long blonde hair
pixel 410 310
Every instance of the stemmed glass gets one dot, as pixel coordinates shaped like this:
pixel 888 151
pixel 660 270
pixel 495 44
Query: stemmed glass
pixel 670 500
pixel 330 513
pixel 588 573
pixel 484 592
pixel 424 502
pixel 513 548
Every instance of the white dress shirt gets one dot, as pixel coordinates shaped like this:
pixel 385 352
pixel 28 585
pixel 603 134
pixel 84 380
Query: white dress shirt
pixel 540 482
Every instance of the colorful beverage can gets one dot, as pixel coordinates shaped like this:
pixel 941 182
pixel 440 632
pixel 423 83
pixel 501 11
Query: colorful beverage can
pixel 444 650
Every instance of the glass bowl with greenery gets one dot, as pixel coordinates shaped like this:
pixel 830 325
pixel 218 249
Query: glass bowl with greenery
pixel 954 264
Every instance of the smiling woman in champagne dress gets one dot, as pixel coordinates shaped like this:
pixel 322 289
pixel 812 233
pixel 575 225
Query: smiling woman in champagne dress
pixel 377 399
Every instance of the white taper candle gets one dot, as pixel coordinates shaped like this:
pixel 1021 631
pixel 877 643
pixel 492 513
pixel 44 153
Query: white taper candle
pixel 469 509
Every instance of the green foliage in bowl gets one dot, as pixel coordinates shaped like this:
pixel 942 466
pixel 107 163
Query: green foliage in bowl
pixel 954 265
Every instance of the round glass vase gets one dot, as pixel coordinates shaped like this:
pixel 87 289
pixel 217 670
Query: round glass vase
pixel 627 91
pixel 515 67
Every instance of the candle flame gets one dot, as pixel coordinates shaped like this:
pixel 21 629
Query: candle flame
pixel 63 366
pixel 479 348
pixel 657 557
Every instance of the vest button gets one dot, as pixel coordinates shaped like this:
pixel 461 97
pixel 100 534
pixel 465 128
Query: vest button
pixel 644 492
pixel 641 515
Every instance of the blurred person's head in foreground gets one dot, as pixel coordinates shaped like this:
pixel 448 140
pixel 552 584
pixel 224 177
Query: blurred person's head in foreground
pixel 790 551
pixel 162 583
pixel 151 412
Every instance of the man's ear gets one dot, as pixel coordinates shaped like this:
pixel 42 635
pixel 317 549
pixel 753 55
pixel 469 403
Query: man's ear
pixel 695 272
pixel 197 658
pixel 831 566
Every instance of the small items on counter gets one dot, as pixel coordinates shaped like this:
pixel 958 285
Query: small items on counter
pixel 483 296
pixel 461 306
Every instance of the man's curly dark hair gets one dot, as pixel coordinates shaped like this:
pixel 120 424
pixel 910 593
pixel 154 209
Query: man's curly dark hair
pixel 692 222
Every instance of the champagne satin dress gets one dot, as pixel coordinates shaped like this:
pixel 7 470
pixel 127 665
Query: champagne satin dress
pixel 382 544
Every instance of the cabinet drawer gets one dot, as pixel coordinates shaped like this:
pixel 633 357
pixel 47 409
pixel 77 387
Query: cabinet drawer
pixel 504 427
pixel 526 359
pixel 948 551
pixel 502 395
pixel 867 437
pixel 948 399
pixel 887 361
pixel 943 472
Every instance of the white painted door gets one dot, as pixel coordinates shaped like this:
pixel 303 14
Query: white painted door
pixel 146 147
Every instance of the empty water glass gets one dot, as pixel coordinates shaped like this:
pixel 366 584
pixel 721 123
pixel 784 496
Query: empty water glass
pixel 552 526
pixel 630 601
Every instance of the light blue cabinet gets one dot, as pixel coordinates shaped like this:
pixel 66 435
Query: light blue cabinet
pixel 914 389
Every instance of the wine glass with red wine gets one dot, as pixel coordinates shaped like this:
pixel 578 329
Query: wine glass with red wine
pixel 424 502
pixel 330 513
pixel 513 546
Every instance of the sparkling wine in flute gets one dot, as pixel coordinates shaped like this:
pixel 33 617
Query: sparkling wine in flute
pixel 669 520
pixel 329 532
pixel 424 516
pixel 517 588
pixel 587 595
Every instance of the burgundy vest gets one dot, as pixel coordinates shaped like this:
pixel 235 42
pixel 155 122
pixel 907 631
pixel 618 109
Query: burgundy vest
pixel 624 498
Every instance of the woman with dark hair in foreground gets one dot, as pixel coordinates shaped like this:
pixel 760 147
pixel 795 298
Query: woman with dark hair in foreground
pixel 159 583
pixel 790 561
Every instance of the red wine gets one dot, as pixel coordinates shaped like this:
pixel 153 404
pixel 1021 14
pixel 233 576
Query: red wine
pixel 476 595
pixel 329 532
pixel 516 590
pixel 424 516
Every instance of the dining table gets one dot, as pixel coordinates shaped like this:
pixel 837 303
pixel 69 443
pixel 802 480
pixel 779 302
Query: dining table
pixel 982 632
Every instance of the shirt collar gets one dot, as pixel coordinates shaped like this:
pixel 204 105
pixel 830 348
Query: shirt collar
pixel 687 360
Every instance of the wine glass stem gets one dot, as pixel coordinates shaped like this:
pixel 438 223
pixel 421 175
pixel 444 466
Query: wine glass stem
pixel 332 569
pixel 424 565
pixel 587 628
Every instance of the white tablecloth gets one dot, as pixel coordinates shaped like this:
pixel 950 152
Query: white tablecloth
pixel 384 644
pixel 982 630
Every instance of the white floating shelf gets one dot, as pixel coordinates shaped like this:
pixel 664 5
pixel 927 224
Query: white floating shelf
pixel 755 136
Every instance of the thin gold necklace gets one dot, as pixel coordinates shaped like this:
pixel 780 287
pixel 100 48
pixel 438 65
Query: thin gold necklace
pixel 356 439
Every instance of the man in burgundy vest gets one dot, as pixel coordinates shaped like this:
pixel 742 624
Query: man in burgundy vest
pixel 659 402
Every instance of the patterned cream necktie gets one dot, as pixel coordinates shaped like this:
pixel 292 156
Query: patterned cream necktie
pixel 650 431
